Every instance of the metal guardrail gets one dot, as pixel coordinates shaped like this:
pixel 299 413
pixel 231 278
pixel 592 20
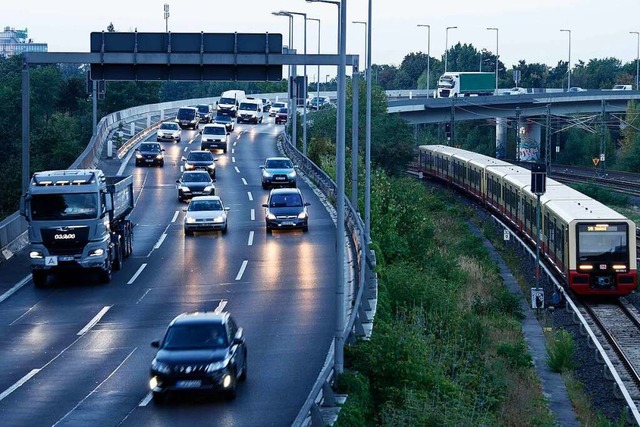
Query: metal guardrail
pixel 600 352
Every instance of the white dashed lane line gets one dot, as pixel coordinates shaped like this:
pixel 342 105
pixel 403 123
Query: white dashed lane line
pixel 237 170
pixel 175 216
pixel 253 214
pixel 220 308
pixel 164 236
pixel 233 160
pixel 250 242
pixel 95 320
pixel 244 181
pixel 18 383
pixel 135 276
pixel 13 290
pixel 250 196
pixel 242 268
pixel 233 151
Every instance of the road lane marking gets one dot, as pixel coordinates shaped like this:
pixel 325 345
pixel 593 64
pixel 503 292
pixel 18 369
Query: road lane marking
pixel 242 268
pixel 144 295
pixel 233 151
pixel 186 148
pixel 96 389
pixel 220 308
pixel 15 288
pixel 250 242
pixel 253 214
pixel 175 216
pixel 233 159
pixel 135 276
pixel 19 383
pixel 235 142
pixel 146 400
pixel 164 236
pixel 244 181
pixel 236 168
pixel 95 320
pixel 250 196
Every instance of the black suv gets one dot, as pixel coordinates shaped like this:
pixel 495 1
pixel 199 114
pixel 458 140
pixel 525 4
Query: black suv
pixel 200 352
pixel 188 117
pixel 200 160
pixel 286 209
pixel 206 113
pixel 195 183
pixel 150 153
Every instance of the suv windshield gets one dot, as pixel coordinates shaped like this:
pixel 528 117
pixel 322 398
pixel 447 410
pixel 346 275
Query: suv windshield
pixel 278 164
pixel 51 207
pixel 200 156
pixel 184 337
pixel 214 130
pixel 186 113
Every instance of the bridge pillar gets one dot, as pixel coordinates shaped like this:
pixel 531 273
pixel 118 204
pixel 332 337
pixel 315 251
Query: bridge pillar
pixel 530 137
pixel 501 137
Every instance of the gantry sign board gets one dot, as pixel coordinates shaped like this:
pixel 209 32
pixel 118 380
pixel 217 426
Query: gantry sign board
pixel 184 56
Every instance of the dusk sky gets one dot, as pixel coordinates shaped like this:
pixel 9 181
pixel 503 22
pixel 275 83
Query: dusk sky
pixel 527 30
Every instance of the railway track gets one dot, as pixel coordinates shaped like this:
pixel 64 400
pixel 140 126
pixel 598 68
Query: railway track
pixel 618 324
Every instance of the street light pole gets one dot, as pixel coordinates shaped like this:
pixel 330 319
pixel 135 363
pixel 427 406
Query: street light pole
pixel 326 82
pixel 291 74
pixel 317 88
pixel 569 64
pixel 446 50
pixel 637 33
pixel 428 52
pixel 365 39
pixel 497 56
pixel 166 17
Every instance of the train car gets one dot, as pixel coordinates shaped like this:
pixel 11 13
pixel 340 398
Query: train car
pixel 589 244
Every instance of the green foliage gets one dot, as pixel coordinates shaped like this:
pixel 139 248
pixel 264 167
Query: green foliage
pixel 561 352
pixel 515 354
pixel 358 409
pixel 602 195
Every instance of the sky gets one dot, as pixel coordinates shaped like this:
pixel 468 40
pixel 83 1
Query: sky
pixel 528 30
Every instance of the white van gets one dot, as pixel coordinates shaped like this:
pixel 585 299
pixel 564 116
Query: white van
pixel 622 87
pixel 250 110
pixel 229 101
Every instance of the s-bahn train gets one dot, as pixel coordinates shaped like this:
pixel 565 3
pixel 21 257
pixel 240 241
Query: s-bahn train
pixel 592 246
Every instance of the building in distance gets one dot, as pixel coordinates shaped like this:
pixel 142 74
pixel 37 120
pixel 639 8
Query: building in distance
pixel 15 42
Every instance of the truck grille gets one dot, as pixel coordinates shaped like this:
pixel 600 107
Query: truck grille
pixel 65 240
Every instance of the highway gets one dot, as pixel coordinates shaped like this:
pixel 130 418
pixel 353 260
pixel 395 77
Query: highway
pixel 78 353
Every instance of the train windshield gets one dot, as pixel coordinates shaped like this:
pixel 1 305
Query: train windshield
pixel 602 241
pixel 54 207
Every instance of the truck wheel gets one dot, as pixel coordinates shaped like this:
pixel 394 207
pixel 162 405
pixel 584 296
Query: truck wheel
pixel 105 274
pixel 39 279
pixel 117 263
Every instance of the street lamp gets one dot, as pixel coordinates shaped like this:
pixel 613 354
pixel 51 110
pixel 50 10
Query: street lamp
pixel 326 82
pixel 428 52
pixel 304 88
pixel 291 73
pixel 166 17
pixel 337 3
pixel 446 50
pixel 318 87
pixel 637 60
pixel 497 56
pixel 569 64
pixel 365 40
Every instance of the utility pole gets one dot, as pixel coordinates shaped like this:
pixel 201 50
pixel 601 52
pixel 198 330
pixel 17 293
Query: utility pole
pixel 603 145
pixel 547 141
pixel 517 134
pixel 166 17
pixel 452 124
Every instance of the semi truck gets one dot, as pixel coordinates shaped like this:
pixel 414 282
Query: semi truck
pixel 78 220
pixel 454 84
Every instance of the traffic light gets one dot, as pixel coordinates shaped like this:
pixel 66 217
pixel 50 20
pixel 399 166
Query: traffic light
pixel 447 130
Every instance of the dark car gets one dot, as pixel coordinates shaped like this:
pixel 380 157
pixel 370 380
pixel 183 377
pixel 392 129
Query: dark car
pixel 149 153
pixel 278 171
pixel 206 113
pixel 286 209
pixel 195 183
pixel 200 353
pixel 200 160
pixel 317 103
pixel 266 105
pixel 282 115
pixel 226 120
pixel 188 117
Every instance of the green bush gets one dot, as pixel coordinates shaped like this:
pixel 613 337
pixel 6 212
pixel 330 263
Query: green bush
pixel 561 351
pixel 515 354
pixel 358 409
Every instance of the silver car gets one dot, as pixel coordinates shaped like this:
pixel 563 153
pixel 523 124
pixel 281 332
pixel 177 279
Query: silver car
pixel 205 213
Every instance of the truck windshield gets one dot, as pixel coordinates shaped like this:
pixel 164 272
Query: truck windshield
pixel 249 106
pixel 52 207
pixel 227 101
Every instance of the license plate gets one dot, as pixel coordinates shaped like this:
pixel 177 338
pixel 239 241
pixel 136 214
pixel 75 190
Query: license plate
pixel 189 384
pixel 280 178
pixel 289 223
pixel 149 160
pixel 65 258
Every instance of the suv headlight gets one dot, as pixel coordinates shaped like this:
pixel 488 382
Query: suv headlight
pixel 292 174
pixel 266 174
pixel 271 216
pixel 159 156
pixel 302 215
pixel 217 366
pixel 163 368
pixel 184 188
pixel 189 220
pixel 211 166
pixel 138 156
pixel 188 166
